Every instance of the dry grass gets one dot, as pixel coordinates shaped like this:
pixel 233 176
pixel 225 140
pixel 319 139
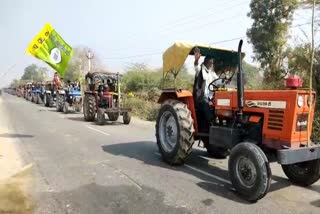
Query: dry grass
pixel 15 194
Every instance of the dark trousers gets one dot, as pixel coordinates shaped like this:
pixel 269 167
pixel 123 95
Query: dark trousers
pixel 206 110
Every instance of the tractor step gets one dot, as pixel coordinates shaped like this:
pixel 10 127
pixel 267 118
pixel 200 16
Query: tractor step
pixel 290 156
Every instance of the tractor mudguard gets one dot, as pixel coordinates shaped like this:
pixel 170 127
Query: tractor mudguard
pixel 184 96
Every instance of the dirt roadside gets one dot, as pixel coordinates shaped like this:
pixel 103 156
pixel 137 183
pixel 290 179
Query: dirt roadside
pixel 16 180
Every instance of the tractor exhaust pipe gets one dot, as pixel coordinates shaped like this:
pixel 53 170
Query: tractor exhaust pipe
pixel 240 86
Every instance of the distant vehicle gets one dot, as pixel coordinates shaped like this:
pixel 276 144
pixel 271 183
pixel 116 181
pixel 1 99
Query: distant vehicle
pixel 103 96
pixel 73 99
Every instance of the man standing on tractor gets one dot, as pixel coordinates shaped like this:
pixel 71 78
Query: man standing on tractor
pixel 205 74
pixel 56 81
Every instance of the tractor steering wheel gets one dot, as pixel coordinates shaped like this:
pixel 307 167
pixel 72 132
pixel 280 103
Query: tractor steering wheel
pixel 212 86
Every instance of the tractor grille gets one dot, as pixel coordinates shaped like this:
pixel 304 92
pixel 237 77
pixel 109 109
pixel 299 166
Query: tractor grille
pixel 275 120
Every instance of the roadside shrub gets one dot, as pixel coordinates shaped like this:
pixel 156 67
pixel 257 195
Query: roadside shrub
pixel 142 108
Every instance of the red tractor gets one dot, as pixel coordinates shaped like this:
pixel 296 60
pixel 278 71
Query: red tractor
pixel 253 127
pixel 103 96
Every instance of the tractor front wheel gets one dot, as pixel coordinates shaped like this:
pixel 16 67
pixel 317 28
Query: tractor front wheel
pixel 89 107
pixel 126 118
pixel 304 173
pixel 101 118
pixel 174 132
pixel 249 171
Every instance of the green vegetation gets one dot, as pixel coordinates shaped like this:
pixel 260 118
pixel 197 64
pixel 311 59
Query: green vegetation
pixel 269 33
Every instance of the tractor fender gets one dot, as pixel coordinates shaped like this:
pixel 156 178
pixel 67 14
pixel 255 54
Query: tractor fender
pixel 184 96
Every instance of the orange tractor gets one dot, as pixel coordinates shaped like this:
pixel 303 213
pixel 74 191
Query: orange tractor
pixel 253 127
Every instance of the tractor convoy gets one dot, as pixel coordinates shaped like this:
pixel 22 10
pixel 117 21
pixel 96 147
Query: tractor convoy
pixel 251 127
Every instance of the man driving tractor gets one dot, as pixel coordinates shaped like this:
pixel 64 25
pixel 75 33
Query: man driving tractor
pixel 205 75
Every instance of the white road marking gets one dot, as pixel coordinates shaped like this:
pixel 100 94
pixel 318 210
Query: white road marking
pixel 208 174
pixel 203 172
pixel 97 130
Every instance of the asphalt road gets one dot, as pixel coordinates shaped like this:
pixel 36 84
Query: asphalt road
pixel 84 168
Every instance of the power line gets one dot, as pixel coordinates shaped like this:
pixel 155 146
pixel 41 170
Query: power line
pixel 203 16
pixel 308 23
pixel 228 40
pixel 212 43
pixel 167 28
pixel 135 56
pixel 197 14
pixel 9 69
pixel 160 52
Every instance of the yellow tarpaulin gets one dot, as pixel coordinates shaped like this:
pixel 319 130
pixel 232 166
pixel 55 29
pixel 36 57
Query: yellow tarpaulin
pixel 175 56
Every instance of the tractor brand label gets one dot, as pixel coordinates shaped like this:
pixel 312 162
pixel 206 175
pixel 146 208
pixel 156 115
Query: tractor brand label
pixel 223 102
pixel 266 104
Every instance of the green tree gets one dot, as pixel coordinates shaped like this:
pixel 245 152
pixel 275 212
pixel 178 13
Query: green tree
pixel 299 63
pixel 30 72
pixel 269 32
pixel 76 64
pixel 253 79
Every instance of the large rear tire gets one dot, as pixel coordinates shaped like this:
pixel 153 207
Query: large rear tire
pixel 89 107
pixel 60 103
pixel 174 132
pixel 304 173
pixel 249 171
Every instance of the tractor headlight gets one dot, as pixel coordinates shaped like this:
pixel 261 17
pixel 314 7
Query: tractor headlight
pixel 300 101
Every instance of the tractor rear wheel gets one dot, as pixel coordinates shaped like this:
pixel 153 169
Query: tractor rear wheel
pixel 48 100
pixel 174 132
pixel 101 118
pixel 304 173
pixel 60 103
pixel 89 107
pixel 249 171
pixel 126 118
pixel 113 116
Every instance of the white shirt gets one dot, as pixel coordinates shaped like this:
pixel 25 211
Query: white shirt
pixel 208 76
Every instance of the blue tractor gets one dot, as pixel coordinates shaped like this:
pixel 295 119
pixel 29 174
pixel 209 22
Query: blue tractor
pixel 73 98
pixel 37 93
pixel 49 94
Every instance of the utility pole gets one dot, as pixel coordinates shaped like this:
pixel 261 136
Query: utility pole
pixel 310 100
pixel 89 57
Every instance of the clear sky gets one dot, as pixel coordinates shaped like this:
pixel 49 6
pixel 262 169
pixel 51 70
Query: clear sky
pixel 119 30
